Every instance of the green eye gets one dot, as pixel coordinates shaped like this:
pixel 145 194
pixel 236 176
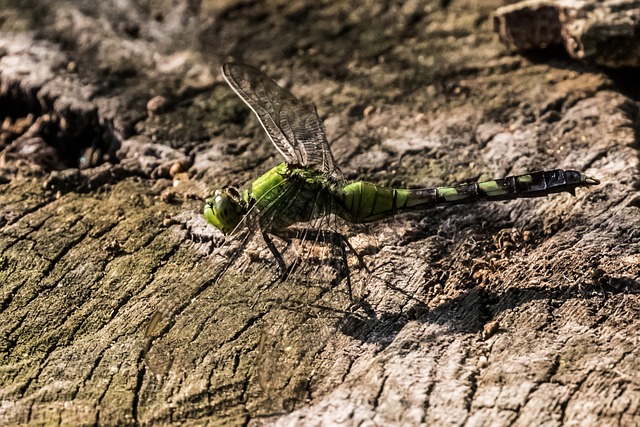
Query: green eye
pixel 223 210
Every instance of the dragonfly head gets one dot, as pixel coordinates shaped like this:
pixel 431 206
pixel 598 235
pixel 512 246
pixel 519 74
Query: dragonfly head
pixel 225 209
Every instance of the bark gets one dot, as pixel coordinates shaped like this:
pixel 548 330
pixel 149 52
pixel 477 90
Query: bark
pixel 602 33
pixel 116 124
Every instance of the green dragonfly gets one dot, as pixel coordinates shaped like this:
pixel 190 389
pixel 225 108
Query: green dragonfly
pixel 308 186
pixel 280 333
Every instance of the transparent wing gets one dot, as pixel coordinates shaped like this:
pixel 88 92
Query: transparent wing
pixel 245 334
pixel 293 127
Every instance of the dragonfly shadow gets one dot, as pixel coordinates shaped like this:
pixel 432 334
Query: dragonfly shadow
pixel 469 312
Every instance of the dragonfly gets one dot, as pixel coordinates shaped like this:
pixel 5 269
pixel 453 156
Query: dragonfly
pixel 283 261
pixel 309 186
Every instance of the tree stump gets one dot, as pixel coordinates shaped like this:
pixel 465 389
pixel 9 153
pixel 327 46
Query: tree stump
pixel 116 125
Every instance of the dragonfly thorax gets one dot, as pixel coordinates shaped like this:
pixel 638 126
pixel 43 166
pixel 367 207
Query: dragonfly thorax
pixel 225 209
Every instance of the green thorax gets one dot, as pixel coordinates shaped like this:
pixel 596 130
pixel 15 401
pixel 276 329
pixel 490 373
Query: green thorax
pixel 288 194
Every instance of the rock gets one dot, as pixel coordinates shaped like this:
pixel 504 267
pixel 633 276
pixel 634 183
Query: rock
pixel 602 33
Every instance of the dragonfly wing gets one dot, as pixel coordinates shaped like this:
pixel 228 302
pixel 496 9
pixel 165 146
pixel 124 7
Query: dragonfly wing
pixel 293 127
pixel 234 320
pixel 235 323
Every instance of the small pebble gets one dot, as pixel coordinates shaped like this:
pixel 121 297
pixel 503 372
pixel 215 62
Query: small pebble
pixel 490 329
pixel 483 362
pixel 157 105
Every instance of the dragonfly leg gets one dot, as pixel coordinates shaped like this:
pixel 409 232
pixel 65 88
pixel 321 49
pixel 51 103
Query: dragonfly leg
pixel 282 266
pixel 344 243
pixel 357 254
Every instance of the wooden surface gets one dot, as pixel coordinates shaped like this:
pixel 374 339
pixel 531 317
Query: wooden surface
pixel 464 321
pixel 600 33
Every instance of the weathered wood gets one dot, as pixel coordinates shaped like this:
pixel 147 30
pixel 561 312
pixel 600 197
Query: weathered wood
pixel 518 313
pixel 607 34
pixel 602 33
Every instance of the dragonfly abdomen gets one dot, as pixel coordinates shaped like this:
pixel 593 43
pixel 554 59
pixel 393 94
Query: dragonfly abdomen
pixel 366 202
pixel 535 184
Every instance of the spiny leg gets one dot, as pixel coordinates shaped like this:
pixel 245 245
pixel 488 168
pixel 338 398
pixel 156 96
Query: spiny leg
pixel 313 228
pixel 267 217
pixel 357 254
pixel 341 243
pixel 343 250
pixel 282 266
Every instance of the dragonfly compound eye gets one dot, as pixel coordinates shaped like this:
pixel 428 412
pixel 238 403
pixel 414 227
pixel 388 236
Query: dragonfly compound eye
pixel 223 211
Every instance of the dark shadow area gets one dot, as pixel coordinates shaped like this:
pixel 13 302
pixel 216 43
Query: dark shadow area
pixel 31 125
pixel 469 312
pixel 555 56
pixel 627 80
